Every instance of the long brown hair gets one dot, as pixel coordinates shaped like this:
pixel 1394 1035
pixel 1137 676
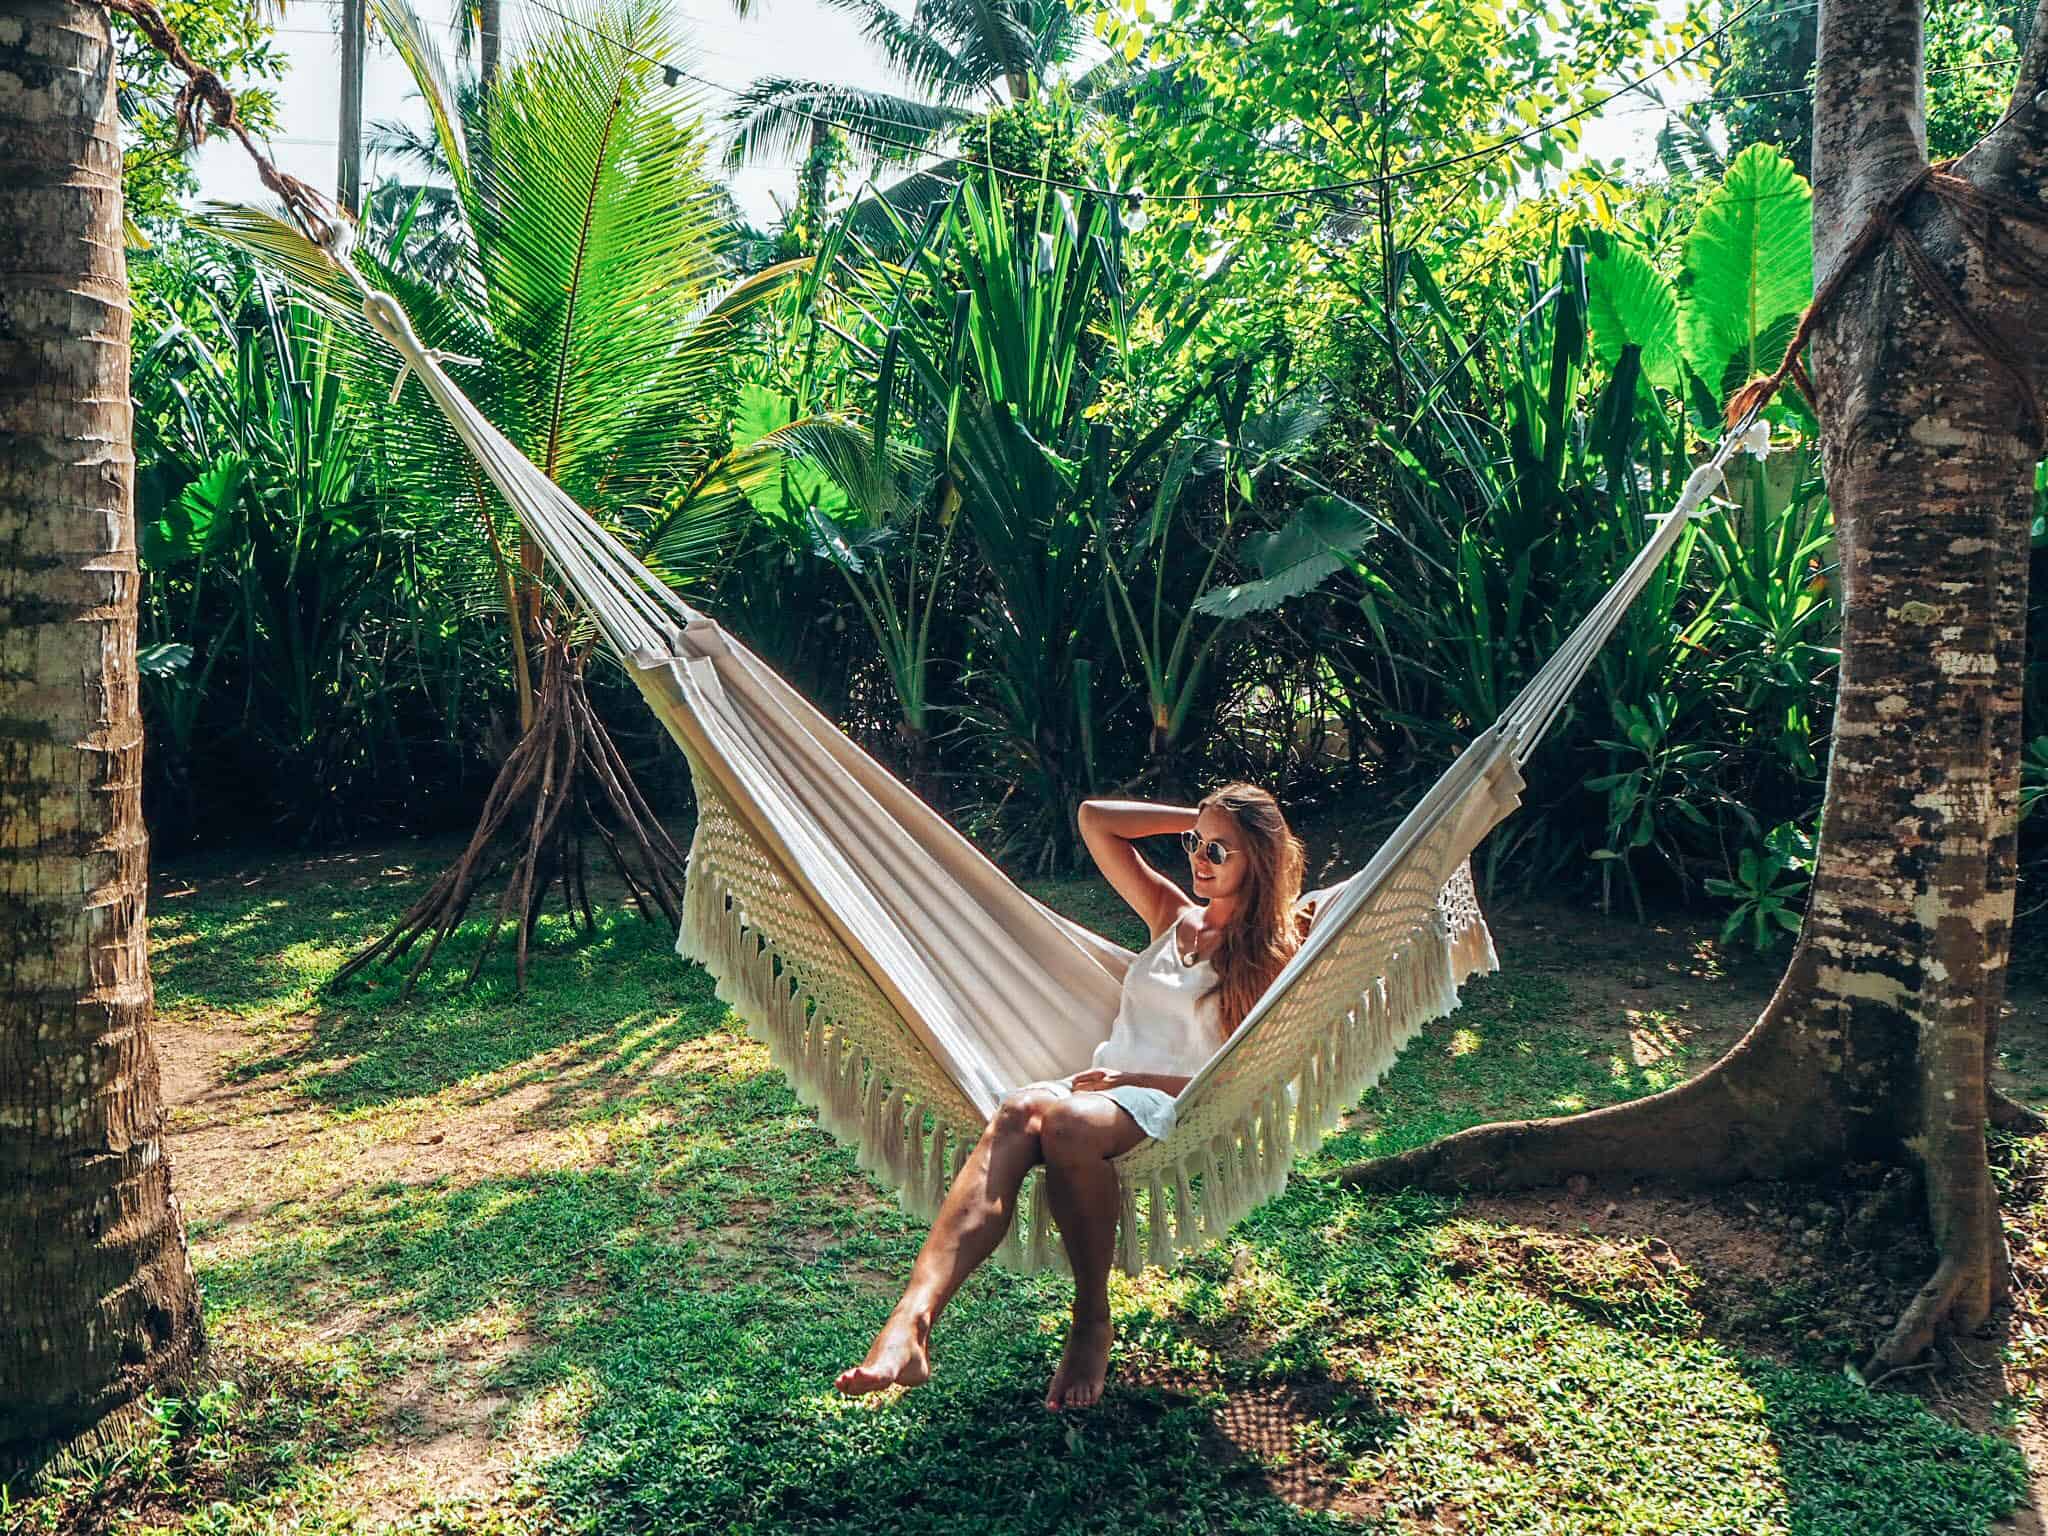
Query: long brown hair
pixel 1266 933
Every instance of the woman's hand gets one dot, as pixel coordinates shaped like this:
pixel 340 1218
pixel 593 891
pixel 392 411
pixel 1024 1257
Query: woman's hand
pixel 1095 1079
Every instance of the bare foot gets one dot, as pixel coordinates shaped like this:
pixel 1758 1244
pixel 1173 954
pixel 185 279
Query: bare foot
pixel 899 1357
pixel 1078 1381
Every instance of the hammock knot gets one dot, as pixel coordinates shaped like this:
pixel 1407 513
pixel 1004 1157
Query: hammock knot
pixel 392 323
pixel 1697 499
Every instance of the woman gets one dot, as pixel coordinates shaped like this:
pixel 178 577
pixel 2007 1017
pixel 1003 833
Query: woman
pixel 1210 959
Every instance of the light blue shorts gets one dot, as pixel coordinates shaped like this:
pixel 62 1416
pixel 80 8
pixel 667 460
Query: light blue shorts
pixel 1153 1108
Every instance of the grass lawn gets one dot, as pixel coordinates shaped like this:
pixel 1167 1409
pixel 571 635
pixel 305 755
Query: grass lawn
pixel 581 1262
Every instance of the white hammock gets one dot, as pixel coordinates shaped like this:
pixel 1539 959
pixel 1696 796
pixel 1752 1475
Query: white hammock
pixel 904 984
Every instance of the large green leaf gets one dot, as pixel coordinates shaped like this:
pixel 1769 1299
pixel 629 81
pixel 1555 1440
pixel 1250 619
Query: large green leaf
pixel 801 487
pixel 199 521
pixel 1631 303
pixel 1748 271
pixel 1316 542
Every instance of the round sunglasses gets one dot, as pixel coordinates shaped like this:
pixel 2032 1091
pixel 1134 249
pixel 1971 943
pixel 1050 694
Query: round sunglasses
pixel 1212 850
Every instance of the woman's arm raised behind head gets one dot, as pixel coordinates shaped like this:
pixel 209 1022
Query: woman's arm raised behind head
pixel 1109 828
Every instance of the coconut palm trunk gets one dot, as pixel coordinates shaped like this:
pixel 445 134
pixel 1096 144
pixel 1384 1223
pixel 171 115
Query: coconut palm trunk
pixel 97 1296
pixel 1878 1043
pixel 348 170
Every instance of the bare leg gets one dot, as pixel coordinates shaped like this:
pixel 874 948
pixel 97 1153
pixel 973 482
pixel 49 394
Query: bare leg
pixel 970 1226
pixel 1078 1138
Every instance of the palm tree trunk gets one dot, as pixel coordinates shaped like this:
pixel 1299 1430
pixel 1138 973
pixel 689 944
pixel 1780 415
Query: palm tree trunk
pixel 348 175
pixel 97 1296
pixel 490 41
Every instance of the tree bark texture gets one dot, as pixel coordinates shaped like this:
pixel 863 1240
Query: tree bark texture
pixel 97 1296
pixel 1879 1040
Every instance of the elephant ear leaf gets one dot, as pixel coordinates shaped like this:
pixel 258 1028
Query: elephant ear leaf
pixel 1748 271
pixel 1631 303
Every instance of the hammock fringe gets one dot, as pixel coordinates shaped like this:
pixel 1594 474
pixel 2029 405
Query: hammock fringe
pixel 1187 1197
pixel 861 1098
pixel 788 786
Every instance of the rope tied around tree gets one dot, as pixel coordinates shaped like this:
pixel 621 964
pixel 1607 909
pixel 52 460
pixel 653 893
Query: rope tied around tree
pixel 204 103
pixel 1980 215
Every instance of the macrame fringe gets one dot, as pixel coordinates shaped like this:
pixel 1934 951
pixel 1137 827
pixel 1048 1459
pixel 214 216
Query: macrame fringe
pixel 1171 1197
pixel 1192 1196
pixel 860 1097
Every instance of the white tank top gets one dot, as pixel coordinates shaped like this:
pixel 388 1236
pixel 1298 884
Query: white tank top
pixel 1164 1023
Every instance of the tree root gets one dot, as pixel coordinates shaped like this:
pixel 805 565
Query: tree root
pixel 2009 1114
pixel 1929 1311
pixel 1752 1115
pixel 562 781
pixel 1758 1113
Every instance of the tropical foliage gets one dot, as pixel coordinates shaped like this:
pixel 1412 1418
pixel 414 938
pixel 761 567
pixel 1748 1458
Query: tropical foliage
pixel 1040 473
pixel 301 661
pixel 237 40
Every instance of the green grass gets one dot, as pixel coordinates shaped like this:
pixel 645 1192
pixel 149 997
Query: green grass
pixel 591 1238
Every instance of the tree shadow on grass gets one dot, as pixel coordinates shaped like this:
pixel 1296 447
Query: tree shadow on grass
pixel 687 1302
pixel 605 1007
pixel 706 1370
pixel 711 1405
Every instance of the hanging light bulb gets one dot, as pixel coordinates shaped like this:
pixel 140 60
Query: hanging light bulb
pixel 672 75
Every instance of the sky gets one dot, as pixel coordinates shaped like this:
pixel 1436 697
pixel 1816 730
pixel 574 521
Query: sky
pixel 802 38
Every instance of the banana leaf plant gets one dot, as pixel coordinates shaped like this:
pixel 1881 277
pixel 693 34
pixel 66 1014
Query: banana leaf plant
pixel 1168 643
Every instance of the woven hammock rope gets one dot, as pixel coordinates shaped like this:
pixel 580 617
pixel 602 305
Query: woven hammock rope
pixel 904 984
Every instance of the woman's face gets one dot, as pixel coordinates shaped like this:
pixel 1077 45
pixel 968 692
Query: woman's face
pixel 1214 824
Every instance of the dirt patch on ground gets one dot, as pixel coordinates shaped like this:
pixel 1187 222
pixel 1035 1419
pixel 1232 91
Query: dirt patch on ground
pixel 243 1145
pixel 444 1433
pixel 1650 989
pixel 226 1135
pixel 1276 1430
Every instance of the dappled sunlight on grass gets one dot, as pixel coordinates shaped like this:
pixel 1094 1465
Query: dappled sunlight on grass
pixel 581 1262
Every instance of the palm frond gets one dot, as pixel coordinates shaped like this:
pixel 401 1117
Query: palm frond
pixel 283 248
pixel 773 118
pixel 918 54
pixel 880 216
pixel 994 39
pixel 600 234
pixel 408 144
pixel 415 44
